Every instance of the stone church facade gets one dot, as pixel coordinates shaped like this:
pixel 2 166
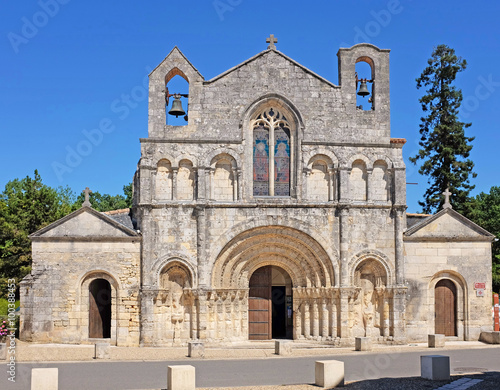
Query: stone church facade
pixel 277 211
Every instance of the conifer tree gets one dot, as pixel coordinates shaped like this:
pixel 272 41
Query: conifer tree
pixel 444 147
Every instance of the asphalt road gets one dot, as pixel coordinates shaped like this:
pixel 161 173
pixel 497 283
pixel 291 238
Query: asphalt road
pixel 277 370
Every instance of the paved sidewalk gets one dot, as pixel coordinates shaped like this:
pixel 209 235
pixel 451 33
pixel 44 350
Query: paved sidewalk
pixel 30 352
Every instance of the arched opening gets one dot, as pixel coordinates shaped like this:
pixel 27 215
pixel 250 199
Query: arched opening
pixel 358 180
pixel 445 307
pixel 99 309
pixel 270 304
pixel 364 71
pixel 163 187
pixel 176 83
pixel 273 143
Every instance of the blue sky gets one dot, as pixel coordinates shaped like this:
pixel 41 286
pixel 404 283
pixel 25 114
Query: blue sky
pixel 71 66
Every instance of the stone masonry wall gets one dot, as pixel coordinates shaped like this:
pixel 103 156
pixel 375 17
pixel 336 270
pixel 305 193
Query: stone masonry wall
pixel 56 298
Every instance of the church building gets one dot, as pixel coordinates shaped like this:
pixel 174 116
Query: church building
pixel 277 211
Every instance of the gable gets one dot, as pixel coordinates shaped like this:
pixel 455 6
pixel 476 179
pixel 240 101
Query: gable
pixel 85 223
pixel 275 63
pixel 448 225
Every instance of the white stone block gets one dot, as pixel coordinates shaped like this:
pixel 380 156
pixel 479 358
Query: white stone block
pixel 283 347
pixel 102 351
pixel 196 349
pixel 363 344
pixel 436 340
pixel 329 373
pixel 181 378
pixel 435 367
pixel 44 378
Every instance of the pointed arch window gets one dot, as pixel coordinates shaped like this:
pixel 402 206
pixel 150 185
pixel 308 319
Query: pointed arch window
pixel 272 146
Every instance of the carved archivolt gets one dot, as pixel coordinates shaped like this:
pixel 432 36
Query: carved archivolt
pixel 303 258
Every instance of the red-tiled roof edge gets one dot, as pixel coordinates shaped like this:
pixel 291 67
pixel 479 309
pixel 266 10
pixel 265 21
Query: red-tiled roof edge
pixel 398 140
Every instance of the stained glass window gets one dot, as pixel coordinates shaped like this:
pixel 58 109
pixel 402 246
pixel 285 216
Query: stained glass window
pixel 271 154
pixel 261 161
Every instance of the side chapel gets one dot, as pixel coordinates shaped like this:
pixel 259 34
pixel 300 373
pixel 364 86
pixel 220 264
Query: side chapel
pixel 277 211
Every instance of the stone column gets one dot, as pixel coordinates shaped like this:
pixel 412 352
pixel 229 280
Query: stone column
pixel 307 319
pixel 344 245
pixel 202 182
pixel 201 228
pixel 194 318
pixel 305 185
pixel 389 174
pixel 399 307
pixel 345 330
pixel 212 184
pixel 244 314
pixel 195 184
pixel 297 320
pixel 333 315
pixel 331 185
pixel 315 313
pixel 369 185
pixel 174 183
pixel 398 212
pixel 202 310
pixel 147 295
pixel 235 184
pixel 324 319
pixel 344 195
pixel 240 184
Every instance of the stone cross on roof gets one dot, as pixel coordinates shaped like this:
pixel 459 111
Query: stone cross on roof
pixel 271 40
pixel 447 204
pixel 87 201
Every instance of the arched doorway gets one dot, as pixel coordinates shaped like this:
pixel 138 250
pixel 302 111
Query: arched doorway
pixel 99 309
pixel 445 307
pixel 270 304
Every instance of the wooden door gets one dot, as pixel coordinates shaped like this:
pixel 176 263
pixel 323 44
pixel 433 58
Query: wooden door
pixel 259 305
pixel 99 309
pixel 445 302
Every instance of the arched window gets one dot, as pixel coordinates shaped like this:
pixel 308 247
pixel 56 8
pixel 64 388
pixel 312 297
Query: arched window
pixel 272 145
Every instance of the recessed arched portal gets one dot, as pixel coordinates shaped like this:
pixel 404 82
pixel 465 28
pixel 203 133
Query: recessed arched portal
pixel 270 304
pixel 99 309
pixel 300 264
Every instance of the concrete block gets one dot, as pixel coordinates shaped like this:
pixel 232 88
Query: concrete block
pixel 283 347
pixel 329 373
pixel 436 340
pixel 435 367
pixel 102 351
pixel 181 378
pixel 490 337
pixel 44 378
pixel 196 349
pixel 363 344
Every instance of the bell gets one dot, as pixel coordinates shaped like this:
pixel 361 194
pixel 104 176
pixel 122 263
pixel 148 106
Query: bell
pixel 177 109
pixel 363 90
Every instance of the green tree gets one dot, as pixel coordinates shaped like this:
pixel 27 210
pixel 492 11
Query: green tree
pixel 106 202
pixel 485 211
pixel 444 147
pixel 26 206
